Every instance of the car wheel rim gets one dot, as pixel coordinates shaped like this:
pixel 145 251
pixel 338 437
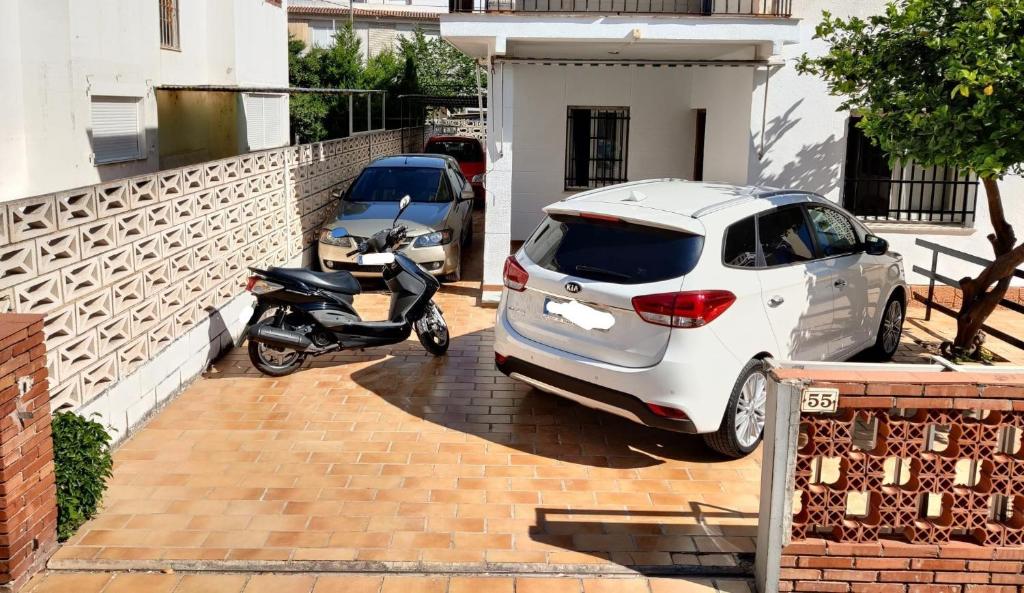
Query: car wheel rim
pixel 892 327
pixel 750 410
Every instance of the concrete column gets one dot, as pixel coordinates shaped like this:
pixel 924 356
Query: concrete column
pixel 498 225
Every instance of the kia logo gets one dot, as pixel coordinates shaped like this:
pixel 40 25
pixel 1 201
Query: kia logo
pixel 573 287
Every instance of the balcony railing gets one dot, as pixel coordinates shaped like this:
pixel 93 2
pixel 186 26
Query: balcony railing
pixel 751 8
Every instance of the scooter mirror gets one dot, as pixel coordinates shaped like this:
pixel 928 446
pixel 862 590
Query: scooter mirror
pixel 402 205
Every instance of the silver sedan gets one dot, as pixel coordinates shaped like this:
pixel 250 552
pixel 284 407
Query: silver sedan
pixel 439 220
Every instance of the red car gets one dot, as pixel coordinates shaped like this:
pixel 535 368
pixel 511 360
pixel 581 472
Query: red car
pixel 469 152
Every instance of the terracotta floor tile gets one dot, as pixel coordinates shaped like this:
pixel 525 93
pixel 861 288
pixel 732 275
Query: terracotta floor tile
pixel 211 583
pixel 613 585
pixel 480 585
pixel 71 583
pixel 348 584
pixel 280 583
pixel 548 585
pixel 445 456
pixel 137 583
pixel 400 584
pixel 681 585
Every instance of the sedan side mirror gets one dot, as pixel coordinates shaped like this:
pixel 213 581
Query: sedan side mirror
pixel 874 245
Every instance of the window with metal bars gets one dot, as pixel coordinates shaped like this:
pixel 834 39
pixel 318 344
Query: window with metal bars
pixel 596 143
pixel 169 25
pixel 906 192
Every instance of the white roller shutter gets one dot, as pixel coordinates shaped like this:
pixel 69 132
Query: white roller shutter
pixel 264 120
pixel 116 129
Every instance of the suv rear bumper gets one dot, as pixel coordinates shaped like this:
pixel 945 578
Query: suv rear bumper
pixel 604 397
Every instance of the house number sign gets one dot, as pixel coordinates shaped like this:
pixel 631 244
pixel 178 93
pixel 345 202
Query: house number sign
pixel 818 400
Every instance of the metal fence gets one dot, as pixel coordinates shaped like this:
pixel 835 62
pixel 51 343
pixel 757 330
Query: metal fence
pixel 911 193
pixel 753 8
pixel 934 276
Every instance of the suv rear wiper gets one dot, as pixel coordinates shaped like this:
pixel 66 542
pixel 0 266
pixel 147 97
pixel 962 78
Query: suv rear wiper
pixel 596 270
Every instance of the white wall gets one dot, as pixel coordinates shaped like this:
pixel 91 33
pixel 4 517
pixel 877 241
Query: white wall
pixel 662 103
pixel 806 149
pixel 58 53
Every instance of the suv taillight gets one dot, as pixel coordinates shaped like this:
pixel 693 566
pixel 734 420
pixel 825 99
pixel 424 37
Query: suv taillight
pixel 683 309
pixel 514 274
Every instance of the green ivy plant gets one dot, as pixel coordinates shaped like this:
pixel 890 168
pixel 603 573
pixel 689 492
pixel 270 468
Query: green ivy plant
pixel 82 464
pixel 940 82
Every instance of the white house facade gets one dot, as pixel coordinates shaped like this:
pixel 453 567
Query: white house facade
pixel 587 93
pixel 379 24
pixel 93 90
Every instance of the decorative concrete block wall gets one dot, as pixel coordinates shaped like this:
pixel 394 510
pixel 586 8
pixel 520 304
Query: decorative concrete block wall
pixel 915 484
pixel 151 269
pixel 28 497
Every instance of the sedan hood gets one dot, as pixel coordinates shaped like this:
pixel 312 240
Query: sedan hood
pixel 363 219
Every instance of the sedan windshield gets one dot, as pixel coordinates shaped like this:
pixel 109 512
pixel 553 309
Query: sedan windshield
pixel 391 184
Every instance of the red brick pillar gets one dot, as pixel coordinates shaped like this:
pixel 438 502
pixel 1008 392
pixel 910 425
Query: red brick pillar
pixel 28 494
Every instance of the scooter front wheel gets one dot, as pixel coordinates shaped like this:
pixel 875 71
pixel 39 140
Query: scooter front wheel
pixel 432 330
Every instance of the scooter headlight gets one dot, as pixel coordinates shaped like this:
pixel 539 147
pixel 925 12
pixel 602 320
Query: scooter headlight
pixel 434 239
pixel 338 237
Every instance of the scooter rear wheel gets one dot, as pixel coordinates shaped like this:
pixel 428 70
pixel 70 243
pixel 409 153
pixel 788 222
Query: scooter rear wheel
pixel 432 331
pixel 275 362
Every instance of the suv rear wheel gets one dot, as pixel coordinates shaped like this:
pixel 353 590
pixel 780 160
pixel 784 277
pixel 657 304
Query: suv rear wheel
pixel 743 424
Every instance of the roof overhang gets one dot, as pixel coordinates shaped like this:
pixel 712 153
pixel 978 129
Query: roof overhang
pixel 485 36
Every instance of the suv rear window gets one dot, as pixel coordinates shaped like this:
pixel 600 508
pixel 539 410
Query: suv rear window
pixel 613 252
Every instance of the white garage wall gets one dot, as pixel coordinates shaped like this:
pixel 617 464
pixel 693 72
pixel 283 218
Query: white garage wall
pixel 661 128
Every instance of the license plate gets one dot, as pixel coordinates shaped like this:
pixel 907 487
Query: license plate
pixel 577 314
pixel 819 400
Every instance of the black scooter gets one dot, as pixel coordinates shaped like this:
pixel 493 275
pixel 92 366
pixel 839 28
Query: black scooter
pixel 302 313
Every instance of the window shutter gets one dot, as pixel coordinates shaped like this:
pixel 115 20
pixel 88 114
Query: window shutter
pixel 116 129
pixel 264 119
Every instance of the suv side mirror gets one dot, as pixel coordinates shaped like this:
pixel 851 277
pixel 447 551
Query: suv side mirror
pixel 874 245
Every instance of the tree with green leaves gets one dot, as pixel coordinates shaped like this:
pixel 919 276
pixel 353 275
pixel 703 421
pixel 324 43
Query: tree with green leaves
pixel 440 67
pixel 940 82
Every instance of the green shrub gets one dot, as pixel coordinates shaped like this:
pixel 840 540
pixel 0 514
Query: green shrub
pixel 82 464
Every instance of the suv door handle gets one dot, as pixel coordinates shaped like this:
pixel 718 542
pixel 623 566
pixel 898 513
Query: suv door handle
pixel 775 301
pixel 840 283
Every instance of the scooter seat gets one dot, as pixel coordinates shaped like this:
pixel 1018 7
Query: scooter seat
pixel 339 282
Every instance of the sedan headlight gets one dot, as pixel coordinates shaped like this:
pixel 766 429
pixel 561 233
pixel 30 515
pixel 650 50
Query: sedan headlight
pixel 478 178
pixel 338 237
pixel 434 239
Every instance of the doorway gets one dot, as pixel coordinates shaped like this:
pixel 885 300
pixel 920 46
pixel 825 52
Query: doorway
pixel 700 130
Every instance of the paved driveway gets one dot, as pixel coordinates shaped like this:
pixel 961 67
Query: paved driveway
pixel 391 459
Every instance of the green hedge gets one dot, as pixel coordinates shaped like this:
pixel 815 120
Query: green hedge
pixel 82 464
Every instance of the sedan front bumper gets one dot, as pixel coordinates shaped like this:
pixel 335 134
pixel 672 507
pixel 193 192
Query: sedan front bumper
pixel 439 261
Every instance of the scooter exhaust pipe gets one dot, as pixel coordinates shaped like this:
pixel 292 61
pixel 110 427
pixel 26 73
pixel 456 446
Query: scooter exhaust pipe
pixel 283 338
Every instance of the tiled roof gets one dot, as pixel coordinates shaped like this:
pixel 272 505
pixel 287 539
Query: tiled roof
pixel 338 9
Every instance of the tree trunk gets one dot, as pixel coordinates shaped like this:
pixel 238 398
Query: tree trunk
pixel 978 300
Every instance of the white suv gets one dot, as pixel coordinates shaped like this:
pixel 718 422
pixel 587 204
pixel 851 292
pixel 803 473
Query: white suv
pixel 660 300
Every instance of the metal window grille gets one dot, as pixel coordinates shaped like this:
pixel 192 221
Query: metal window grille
pixel 769 8
pixel 596 145
pixel 906 192
pixel 169 24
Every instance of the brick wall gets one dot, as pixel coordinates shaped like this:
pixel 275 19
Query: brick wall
pixel 915 484
pixel 124 269
pixel 28 505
